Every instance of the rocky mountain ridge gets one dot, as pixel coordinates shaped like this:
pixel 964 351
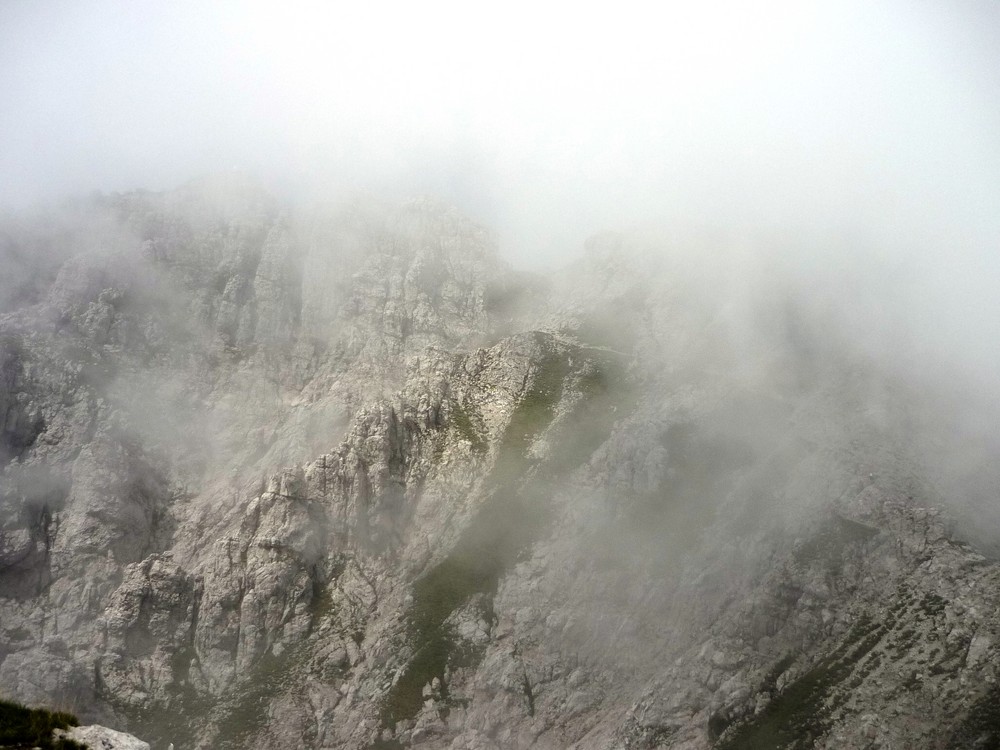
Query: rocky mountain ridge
pixel 342 479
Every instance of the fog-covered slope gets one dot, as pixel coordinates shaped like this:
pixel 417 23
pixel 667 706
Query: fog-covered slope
pixel 337 477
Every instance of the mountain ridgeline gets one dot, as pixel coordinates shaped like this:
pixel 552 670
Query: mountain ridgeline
pixel 339 477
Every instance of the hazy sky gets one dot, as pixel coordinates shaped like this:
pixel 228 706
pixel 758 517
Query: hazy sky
pixel 547 122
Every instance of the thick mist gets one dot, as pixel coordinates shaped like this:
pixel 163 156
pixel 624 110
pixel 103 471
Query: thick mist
pixel 840 132
pixel 842 156
pixel 546 124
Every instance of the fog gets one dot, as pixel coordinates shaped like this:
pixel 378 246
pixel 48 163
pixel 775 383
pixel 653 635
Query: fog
pixel 746 299
pixel 545 123
pixel 852 148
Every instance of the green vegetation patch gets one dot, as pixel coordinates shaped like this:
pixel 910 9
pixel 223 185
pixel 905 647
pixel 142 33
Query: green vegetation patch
pixel 463 425
pixel 513 516
pixel 932 604
pixel 533 413
pixel 980 728
pixel 801 713
pixel 23 727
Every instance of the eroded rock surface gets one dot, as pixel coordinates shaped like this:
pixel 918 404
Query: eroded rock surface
pixel 339 479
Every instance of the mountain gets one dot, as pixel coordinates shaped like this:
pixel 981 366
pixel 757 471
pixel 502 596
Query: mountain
pixel 339 477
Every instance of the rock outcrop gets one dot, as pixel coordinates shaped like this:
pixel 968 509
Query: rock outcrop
pixel 102 738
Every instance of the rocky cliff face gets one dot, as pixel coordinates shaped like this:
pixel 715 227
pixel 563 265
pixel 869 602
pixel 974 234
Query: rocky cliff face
pixel 341 479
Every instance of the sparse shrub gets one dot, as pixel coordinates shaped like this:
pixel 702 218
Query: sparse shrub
pixel 21 726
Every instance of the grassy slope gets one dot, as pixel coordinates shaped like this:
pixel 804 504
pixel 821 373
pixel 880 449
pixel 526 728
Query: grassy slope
pixel 510 520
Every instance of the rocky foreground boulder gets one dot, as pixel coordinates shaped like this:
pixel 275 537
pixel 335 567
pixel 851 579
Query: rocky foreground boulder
pixel 102 738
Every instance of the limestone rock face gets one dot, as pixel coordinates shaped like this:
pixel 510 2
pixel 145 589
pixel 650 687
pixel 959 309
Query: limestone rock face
pixel 339 479
pixel 148 632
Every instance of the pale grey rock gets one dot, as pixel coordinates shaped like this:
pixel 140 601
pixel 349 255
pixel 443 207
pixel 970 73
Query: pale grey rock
pixel 101 738
pixel 48 675
pixel 148 631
